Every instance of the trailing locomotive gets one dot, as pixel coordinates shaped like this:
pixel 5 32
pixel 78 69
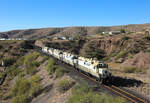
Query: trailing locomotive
pixel 93 67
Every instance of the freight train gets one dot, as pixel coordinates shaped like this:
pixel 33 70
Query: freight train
pixel 92 67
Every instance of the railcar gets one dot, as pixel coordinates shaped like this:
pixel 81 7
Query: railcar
pixel 97 69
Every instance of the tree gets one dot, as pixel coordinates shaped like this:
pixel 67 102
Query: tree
pixel 122 31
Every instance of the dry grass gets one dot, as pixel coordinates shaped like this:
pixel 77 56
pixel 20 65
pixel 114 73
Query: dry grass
pixel 133 69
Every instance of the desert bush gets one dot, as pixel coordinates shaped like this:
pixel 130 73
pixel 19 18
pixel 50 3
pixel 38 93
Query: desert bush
pixel 94 53
pixel 1 46
pixel 148 50
pixel 21 74
pixel 25 89
pixel 106 58
pixel 113 53
pixel 135 50
pixel 20 99
pixel 50 67
pixel 34 78
pixel 31 68
pixel 9 61
pixel 1 56
pixel 122 31
pixel 13 71
pixel 36 63
pixel 133 69
pixel 21 87
pixel 60 71
pixel 31 57
pixel 20 61
pixel 1 75
pixel 44 58
pixel 146 37
pixel 121 54
pixel 64 85
pixel 35 85
pixel 81 89
pixel 84 94
pixel 31 64
pixel 125 38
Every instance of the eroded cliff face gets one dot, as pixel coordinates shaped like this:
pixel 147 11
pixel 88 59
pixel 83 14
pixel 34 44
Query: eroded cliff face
pixel 129 50
pixel 129 43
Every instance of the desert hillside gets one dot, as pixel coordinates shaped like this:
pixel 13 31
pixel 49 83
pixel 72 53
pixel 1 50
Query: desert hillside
pixel 33 77
pixel 71 31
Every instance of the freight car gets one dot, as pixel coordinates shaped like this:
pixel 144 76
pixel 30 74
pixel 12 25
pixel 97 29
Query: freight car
pixel 91 66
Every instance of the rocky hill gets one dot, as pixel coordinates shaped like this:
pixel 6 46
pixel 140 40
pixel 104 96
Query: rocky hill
pixel 69 31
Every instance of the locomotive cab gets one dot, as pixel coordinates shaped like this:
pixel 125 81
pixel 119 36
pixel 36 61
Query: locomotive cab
pixel 103 71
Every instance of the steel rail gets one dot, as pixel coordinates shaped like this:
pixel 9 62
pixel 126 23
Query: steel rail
pixel 120 94
pixel 130 94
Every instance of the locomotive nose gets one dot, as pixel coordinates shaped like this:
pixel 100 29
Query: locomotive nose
pixel 106 73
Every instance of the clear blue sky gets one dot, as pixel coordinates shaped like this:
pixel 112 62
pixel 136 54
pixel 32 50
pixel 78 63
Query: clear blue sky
pixel 23 14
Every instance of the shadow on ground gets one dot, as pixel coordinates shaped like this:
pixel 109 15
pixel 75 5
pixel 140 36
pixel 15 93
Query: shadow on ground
pixel 125 82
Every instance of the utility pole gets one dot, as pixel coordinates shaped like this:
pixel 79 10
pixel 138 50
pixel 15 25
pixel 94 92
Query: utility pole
pixel 3 65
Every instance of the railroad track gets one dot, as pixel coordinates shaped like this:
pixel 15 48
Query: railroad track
pixel 117 90
pixel 125 94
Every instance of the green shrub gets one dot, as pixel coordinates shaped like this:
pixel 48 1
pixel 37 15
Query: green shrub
pixel 122 31
pixel 21 74
pixel 34 79
pixel 36 63
pixel 106 58
pixel 84 94
pixel 81 89
pixel 25 89
pixel 13 71
pixel 35 85
pixel 1 75
pixel 146 37
pixel 132 69
pixel 50 67
pixel 60 71
pixel 1 56
pixel 125 38
pixel 31 68
pixel 148 50
pixel 1 46
pixel 31 57
pixel 20 99
pixel 20 61
pixel 31 64
pixel 21 87
pixel 121 54
pixel 95 53
pixel 64 85
pixel 113 53
pixel 44 58
pixel 9 61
